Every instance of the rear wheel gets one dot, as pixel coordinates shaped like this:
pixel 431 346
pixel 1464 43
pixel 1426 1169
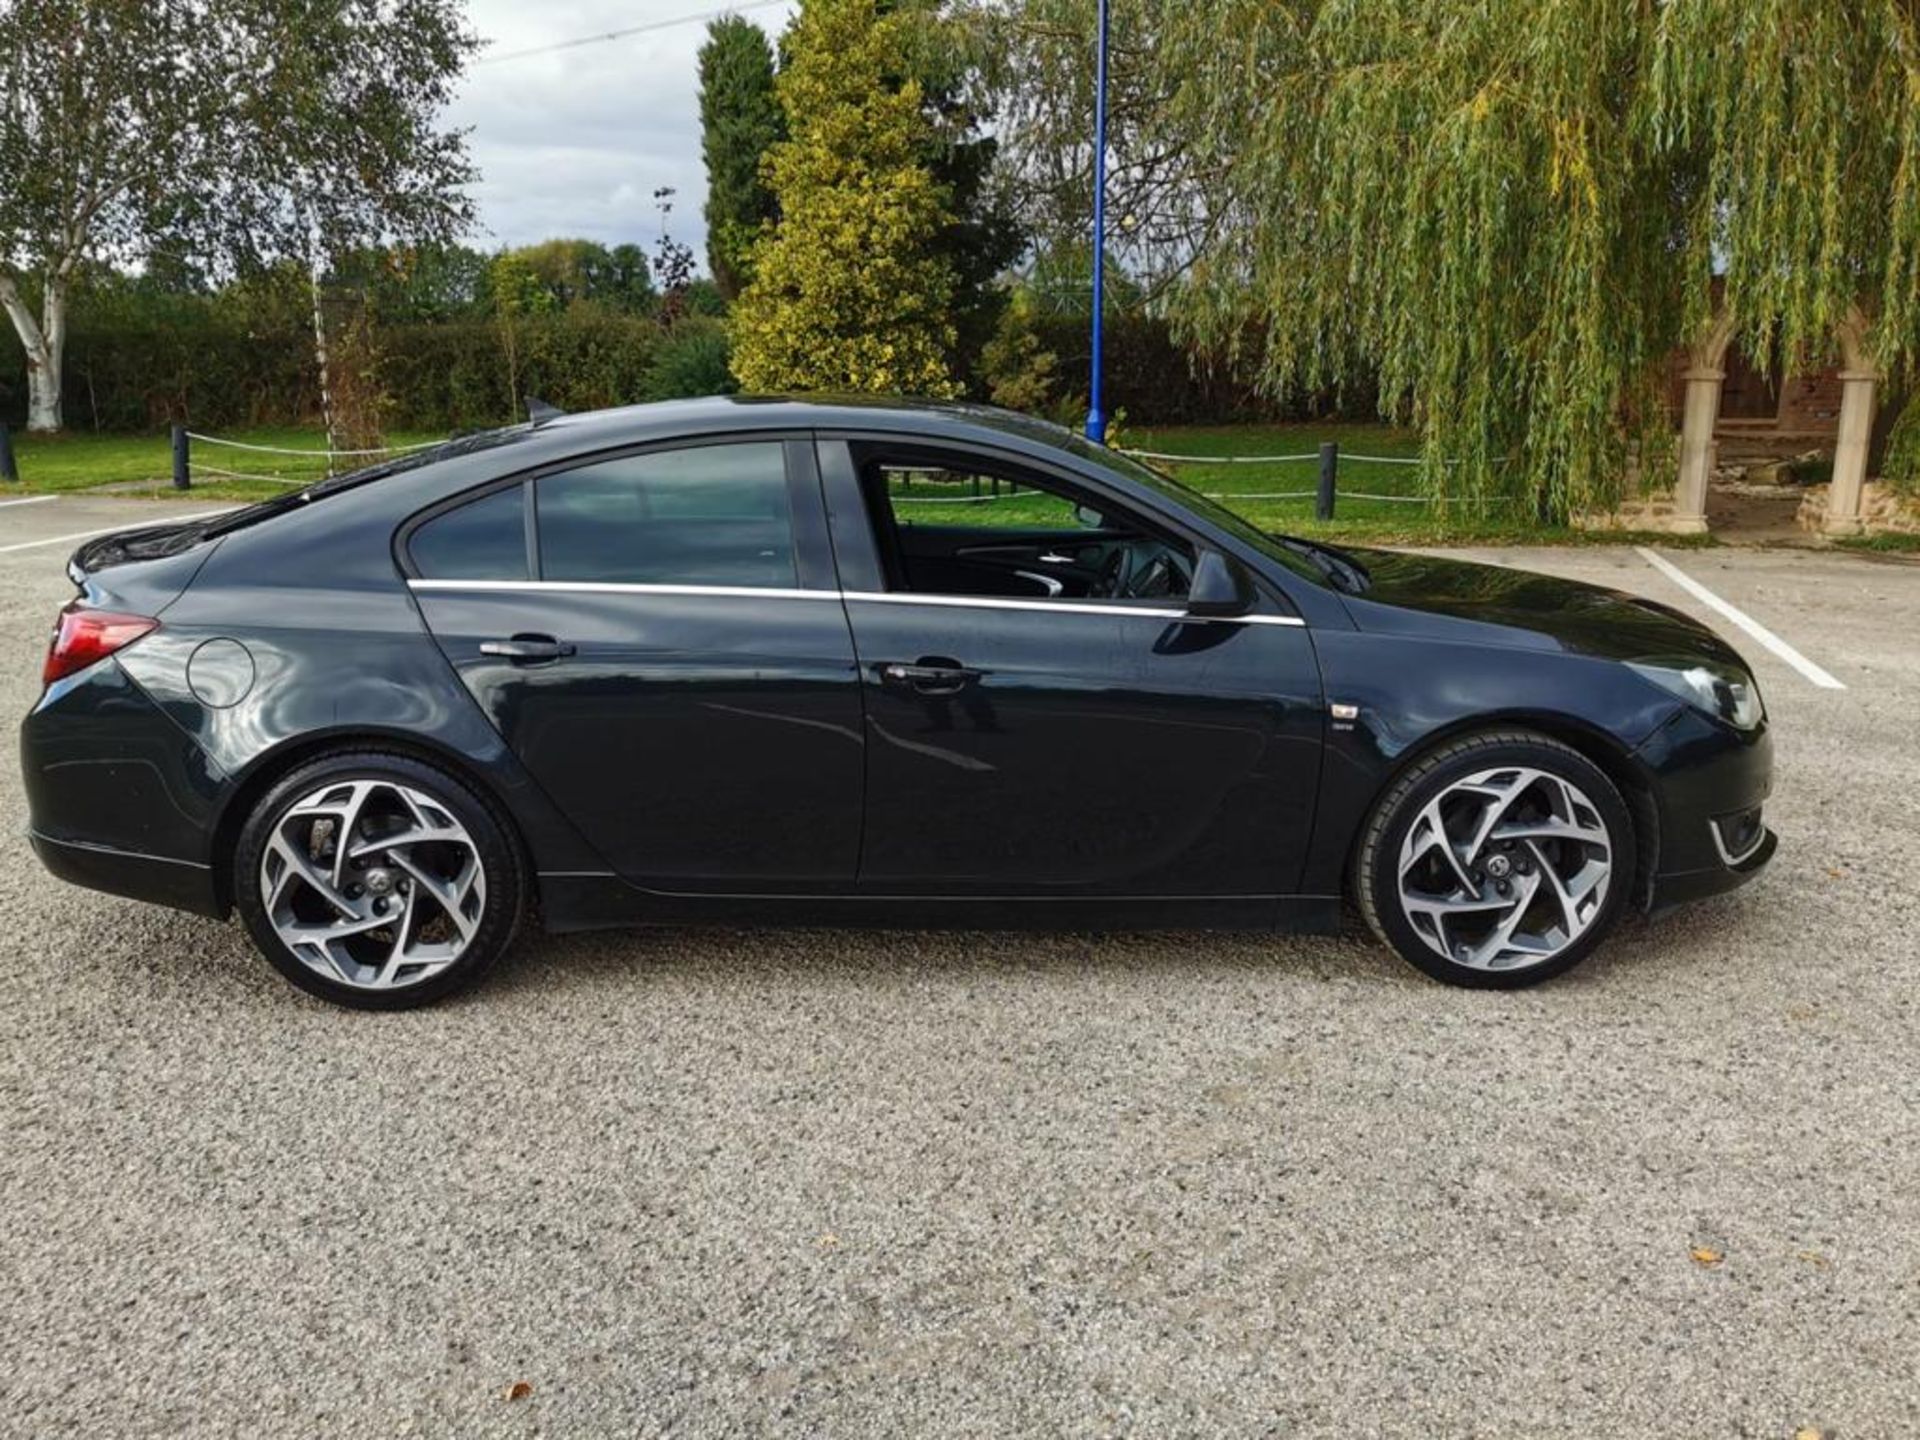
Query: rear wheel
pixel 1500 860
pixel 378 882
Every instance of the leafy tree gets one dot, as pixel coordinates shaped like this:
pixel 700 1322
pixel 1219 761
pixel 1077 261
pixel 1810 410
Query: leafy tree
pixel 985 233
pixel 94 135
pixel 340 146
pixel 1513 208
pixel 673 264
pixel 231 132
pixel 413 284
pixel 740 120
pixel 850 292
pixel 627 284
pixel 1034 58
pixel 575 271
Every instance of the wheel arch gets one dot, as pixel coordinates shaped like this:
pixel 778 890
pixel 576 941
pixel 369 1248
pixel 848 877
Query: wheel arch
pixel 268 769
pixel 1614 759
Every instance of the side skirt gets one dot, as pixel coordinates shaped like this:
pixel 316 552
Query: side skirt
pixel 591 902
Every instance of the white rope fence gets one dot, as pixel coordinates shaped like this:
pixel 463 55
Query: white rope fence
pixel 220 472
pixel 1304 457
pixel 1220 459
pixel 315 454
pixel 184 465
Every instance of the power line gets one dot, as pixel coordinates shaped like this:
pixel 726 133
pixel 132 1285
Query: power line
pixel 713 14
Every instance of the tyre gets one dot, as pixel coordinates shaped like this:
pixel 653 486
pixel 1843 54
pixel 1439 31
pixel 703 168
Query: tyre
pixel 378 882
pixel 1501 859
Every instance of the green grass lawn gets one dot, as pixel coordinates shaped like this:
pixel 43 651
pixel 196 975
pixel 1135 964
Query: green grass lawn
pixel 141 466
pixel 1251 489
pixel 1889 543
pixel 1257 490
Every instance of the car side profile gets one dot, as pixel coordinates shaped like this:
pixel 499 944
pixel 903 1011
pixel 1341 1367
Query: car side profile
pixel 861 663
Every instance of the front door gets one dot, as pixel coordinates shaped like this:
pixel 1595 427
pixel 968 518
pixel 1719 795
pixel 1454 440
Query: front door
pixel 659 639
pixel 1042 717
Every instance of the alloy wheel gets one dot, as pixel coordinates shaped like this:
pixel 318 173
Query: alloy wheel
pixel 372 884
pixel 1505 868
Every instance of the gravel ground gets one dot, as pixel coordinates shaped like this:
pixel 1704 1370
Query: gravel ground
pixel 706 1183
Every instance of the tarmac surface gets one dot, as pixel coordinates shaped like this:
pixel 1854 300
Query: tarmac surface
pixel 750 1182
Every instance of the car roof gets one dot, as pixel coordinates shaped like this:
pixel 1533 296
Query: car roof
pixel 954 419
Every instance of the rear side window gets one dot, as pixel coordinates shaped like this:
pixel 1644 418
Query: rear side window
pixel 485 539
pixel 709 515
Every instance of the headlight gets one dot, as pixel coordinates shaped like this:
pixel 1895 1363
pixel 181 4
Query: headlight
pixel 1724 691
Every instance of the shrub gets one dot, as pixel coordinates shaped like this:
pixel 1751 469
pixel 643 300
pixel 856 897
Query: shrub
pixel 691 359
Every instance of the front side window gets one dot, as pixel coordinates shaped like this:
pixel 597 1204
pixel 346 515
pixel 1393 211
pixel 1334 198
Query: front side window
pixel 485 539
pixel 950 526
pixel 708 515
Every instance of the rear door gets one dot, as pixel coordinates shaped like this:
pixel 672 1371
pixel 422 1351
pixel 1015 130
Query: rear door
pixel 1085 738
pixel 659 637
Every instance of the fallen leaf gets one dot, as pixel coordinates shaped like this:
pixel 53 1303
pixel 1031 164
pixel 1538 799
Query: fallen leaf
pixel 1807 1432
pixel 828 1241
pixel 1706 1255
pixel 1838 875
pixel 518 1390
pixel 1814 1257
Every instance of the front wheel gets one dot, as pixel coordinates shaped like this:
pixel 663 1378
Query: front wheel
pixel 1500 860
pixel 377 882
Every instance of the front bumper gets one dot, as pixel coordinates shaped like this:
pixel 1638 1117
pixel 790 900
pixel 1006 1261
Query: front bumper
pixel 1711 783
pixel 1678 887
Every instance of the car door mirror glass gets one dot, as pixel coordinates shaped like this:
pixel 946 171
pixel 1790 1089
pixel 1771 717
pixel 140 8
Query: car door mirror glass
pixel 1220 588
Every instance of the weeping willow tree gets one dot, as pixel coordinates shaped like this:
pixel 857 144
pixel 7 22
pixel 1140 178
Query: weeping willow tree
pixel 1510 211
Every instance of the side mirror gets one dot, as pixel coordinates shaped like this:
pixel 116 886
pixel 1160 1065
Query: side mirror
pixel 1220 589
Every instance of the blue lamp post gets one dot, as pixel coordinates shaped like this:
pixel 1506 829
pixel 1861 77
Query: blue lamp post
pixel 1096 411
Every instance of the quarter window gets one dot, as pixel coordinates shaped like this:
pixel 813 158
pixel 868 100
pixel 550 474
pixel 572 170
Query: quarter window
pixel 709 515
pixel 485 539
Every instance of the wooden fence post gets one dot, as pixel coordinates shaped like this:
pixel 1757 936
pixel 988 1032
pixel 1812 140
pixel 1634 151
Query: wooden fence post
pixel 1329 479
pixel 182 464
pixel 9 467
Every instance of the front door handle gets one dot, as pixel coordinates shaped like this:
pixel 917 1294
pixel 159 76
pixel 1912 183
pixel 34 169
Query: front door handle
pixel 928 676
pixel 527 649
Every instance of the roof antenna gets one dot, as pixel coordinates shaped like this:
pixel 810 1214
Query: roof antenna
pixel 540 412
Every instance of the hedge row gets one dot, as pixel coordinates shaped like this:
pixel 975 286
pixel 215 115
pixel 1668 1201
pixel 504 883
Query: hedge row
pixel 207 363
pixel 219 364
pixel 1153 379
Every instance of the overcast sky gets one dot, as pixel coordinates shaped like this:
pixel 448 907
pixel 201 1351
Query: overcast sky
pixel 575 142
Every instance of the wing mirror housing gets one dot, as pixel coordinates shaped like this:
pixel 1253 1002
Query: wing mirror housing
pixel 1221 588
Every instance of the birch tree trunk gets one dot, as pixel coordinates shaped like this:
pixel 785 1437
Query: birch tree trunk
pixel 45 342
pixel 316 279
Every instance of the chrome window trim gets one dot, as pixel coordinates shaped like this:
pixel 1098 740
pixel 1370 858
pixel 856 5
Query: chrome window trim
pixel 871 597
pixel 612 587
pixel 1070 607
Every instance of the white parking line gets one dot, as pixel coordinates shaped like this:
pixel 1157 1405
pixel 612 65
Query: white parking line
pixel 28 500
pixel 110 529
pixel 1740 617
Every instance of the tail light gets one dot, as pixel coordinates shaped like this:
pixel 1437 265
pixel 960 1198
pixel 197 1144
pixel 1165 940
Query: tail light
pixel 82 636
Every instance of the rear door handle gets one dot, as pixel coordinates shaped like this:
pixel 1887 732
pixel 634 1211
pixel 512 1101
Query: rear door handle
pixel 527 648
